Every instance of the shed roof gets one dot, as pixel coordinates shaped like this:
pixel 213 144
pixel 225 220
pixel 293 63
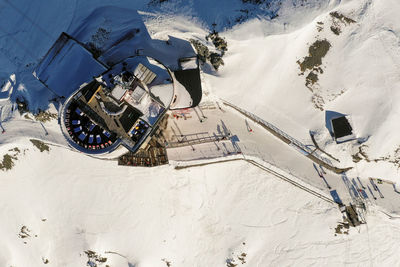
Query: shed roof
pixel 341 127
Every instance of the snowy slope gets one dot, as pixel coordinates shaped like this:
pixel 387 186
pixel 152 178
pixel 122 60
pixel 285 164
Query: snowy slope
pixel 204 216
pixel 360 77
pixel 195 217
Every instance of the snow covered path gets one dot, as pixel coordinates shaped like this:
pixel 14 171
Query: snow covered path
pixel 21 128
pixel 261 144
pixel 258 143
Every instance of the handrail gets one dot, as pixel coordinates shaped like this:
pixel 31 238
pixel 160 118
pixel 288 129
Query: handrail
pixel 312 154
pixel 266 169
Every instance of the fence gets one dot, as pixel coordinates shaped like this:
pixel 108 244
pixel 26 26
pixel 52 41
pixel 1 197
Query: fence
pixel 314 155
pixel 264 166
pixel 194 139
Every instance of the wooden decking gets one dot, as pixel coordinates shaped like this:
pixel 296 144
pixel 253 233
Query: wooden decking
pixel 150 157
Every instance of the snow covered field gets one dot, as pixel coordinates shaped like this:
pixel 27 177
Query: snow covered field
pixel 192 217
pixel 225 213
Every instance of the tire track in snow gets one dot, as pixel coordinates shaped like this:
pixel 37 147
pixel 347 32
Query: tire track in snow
pixel 282 177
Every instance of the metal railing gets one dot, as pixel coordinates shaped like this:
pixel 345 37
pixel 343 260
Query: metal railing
pixel 194 139
pixel 264 167
pixel 313 154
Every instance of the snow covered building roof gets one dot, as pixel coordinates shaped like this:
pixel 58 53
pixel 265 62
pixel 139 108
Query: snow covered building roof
pixel 121 106
pixel 118 92
pixel 66 66
pixel 118 97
